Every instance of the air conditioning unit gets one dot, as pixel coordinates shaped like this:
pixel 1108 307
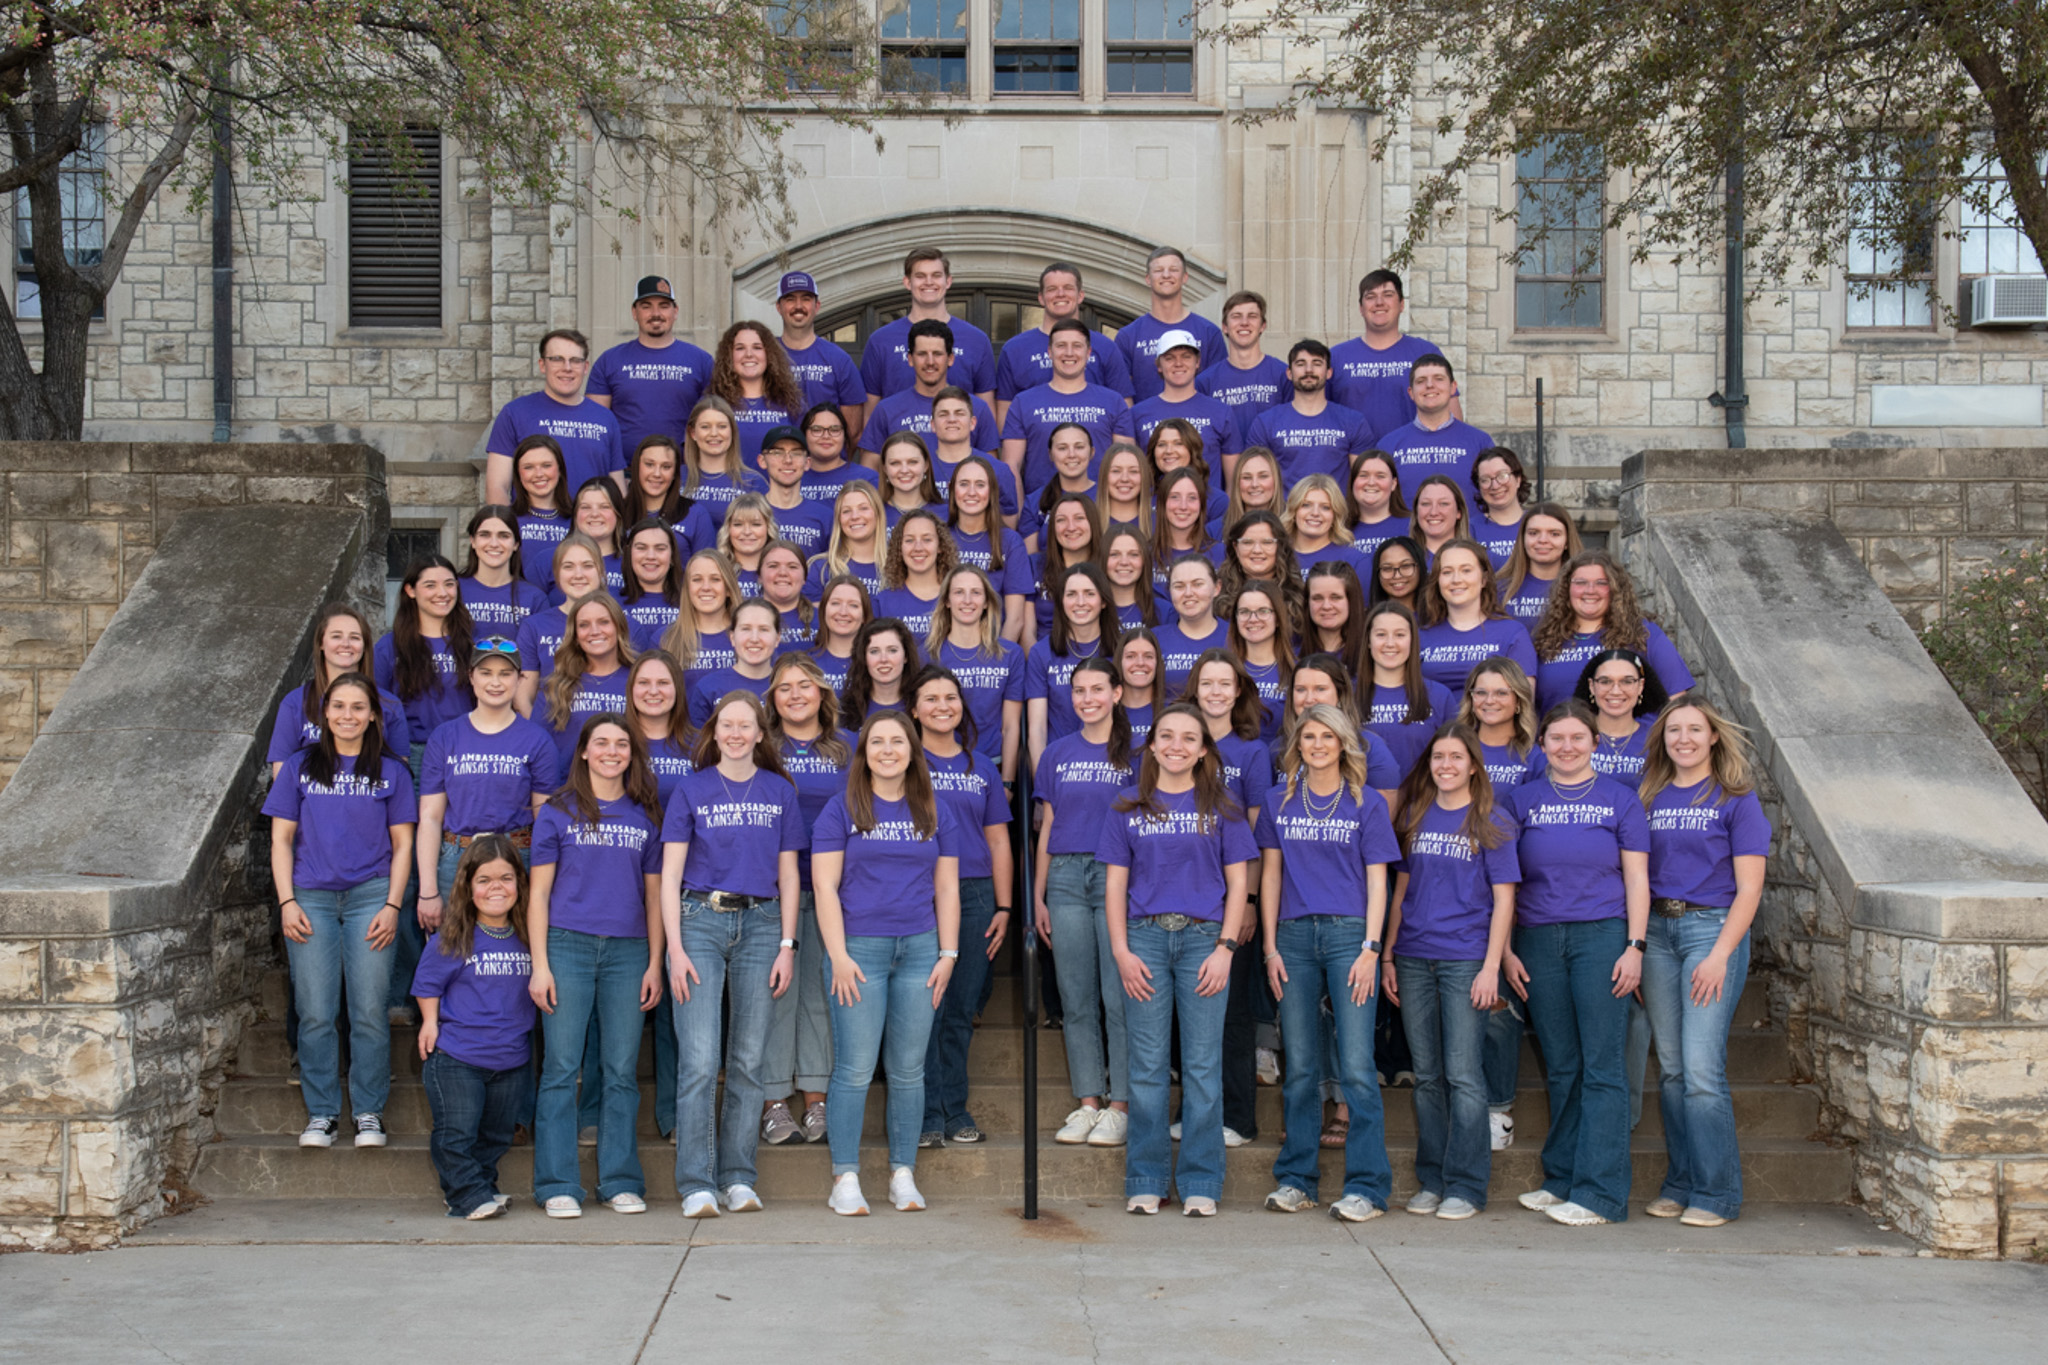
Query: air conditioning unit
pixel 2008 300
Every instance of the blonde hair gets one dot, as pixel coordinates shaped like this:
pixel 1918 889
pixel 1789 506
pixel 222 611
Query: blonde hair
pixel 836 556
pixel 693 458
pixel 680 639
pixel 1340 533
pixel 1518 683
pixel 571 663
pixel 989 643
pixel 1728 761
pixel 1350 765
pixel 746 502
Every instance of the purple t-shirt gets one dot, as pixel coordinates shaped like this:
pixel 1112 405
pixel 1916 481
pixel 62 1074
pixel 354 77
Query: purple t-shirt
pixel 595 693
pixel 1247 393
pixel 909 410
pixel 1247 771
pixel 1016 576
pixel 1367 537
pixel 827 373
pixel 490 780
pixel 887 883
pixel 1037 411
pixel 1176 865
pixel 737 832
pixel 1528 602
pixel 1408 740
pixel 753 419
pixel 436 706
pixel 1026 362
pixel 1622 759
pixel 539 534
pixel 714 651
pixel 1447 912
pixel 1079 782
pixel 1499 540
pixel 834 666
pixel 1376 382
pixel 713 497
pixel 906 606
pixel 1006 482
pixel 1696 833
pixel 817 780
pixel 1449 654
pixel 671 764
pixel 821 572
pixel 1049 677
pixel 1272 689
pixel 885 362
pixel 969 785
pixel 799 525
pixel 292 731
pixel 498 611
pixel 1570 850
pixel 1334 552
pixel 647 619
pixel 1211 417
pixel 540 635
pixel 1141 724
pixel 1556 679
pixel 1324 852
pixel 1139 341
pixel 1178 652
pixel 652 389
pixel 1507 769
pixel 586 431
pixel 820 488
pixel 707 689
pixel 486 1015
pixel 600 867
pixel 344 828
pixel 1450 450
pixel 987 683
pixel 1322 444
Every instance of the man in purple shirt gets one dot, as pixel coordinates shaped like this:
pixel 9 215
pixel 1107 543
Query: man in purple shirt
pixel 885 362
pixel 1248 381
pixel 1369 373
pixel 651 382
pixel 1025 361
pixel 1166 274
pixel 1180 359
pixel 1435 442
pixel 1067 397
pixel 1309 434
pixel 826 372
pixel 586 431
pixel 931 361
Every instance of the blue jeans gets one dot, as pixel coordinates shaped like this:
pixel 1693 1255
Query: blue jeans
pixel 1088 980
pixel 799 1055
pixel 411 938
pixel 945 1058
pixel 335 955
pixel 474 1113
pixel 1637 1046
pixel 1174 957
pixel 1446 1036
pixel 590 1092
pixel 1318 951
pixel 1503 1049
pixel 596 978
pixel 1692 1051
pixel 445 868
pixel 891 1023
pixel 1582 1029
pixel 733 954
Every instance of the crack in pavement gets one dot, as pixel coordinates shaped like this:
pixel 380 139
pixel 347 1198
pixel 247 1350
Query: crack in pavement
pixel 1433 1338
pixel 667 1294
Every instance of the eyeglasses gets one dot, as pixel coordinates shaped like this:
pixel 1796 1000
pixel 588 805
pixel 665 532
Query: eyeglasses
pixel 1615 684
pixel 823 429
pixel 1255 614
pixel 1491 694
pixel 1497 480
pixel 570 361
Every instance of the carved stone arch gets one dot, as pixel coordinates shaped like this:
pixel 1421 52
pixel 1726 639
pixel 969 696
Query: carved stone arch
pixel 864 261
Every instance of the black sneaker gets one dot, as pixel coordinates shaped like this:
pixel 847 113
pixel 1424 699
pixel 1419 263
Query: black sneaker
pixel 319 1132
pixel 967 1133
pixel 370 1130
pixel 931 1139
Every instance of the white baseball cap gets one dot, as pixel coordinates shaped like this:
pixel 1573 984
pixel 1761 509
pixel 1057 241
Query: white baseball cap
pixel 1176 339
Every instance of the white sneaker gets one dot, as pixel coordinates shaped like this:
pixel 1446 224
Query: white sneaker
pixel 1142 1203
pixel 1268 1064
pixel 742 1199
pixel 563 1206
pixel 1538 1199
pixel 1699 1218
pixel 1290 1199
pixel 1078 1126
pixel 847 1200
pixel 903 1192
pixel 1502 1127
pixel 490 1208
pixel 1111 1130
pixel 1425 1202
pixel 1198 1206
pixel 1355 1208
pixel 700 1204
pixel 370 1130
pixel 502 1200
pixel 1233 1138
pixel 1173 1130
pixel 1573 1215
pixel 1662 1207
pixel 319 1132
pixel 625 1201
pixel 1456 1210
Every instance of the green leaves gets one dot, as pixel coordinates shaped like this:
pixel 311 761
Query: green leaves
pixel 1992 644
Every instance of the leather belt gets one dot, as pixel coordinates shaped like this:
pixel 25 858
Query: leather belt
pixel 1670 907
pixel 1173 924
pixel 521 838
pixel 729 903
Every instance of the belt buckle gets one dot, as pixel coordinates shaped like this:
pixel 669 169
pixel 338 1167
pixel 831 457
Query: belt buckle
pixel 1670 907
pixel 726 903
pixel 1173 923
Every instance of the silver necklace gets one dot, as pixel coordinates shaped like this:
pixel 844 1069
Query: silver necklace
pixel 505 932
pixel 746 788
pixel 1308 802
pixel 1577 791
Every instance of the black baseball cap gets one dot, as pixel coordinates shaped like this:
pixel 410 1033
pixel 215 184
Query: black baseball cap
pixel 654 287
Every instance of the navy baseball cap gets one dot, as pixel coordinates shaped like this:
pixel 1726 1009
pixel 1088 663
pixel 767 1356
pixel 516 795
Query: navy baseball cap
pixel 797 282
pixel 653 287
pixel 778 434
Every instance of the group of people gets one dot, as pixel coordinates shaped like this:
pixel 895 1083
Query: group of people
pixel 1323 722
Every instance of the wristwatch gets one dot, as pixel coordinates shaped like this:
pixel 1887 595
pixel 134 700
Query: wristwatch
pixel 788 943
pixel 1371 945
pixel 1228 945
pixel 949 952
pixel 1641 945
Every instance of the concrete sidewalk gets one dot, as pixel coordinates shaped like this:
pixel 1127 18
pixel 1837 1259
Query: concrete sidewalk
pixel 396 1282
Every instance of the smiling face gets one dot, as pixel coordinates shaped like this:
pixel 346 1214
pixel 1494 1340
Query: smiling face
pixel 1430 388
pixel 825 438
pixel 930 358
pixel 1070 528
pixel 886 658
pixel 1450 765
pixel 1193 589
pixel 1493 701
pixel 1179 365
pixel 1436 512
pixel 1216 690
pixel 1308 372
pixel 1544 538
pixel 1257 550
pixel 1059 294
pixel 1139 662
pixel 1081 602
pixel 494 680
pixel 562 367
pixel 857 520
pixel 1374 486
pixel 704 586
pixel 797 697
pixel 1590 592
pixel 970 490
pixel 920 545
pixel 1617 686
pixel 1568 744
pixel 494 889
pixel 1314 516
pixel 1123 475
pixel 1071 450
pixel 651 551
pixel 1399 573
pixel 928 282
pixel 348 713
pixel 938 707
pixel 798 309
pixel 596 634
pixel 783 463
pixel 341 644
pixel 655 317
pixel 578 572
pixel 1460 577
pixel 1390 639
pixel 1094 696
pixel 654 691
pixel 1069 354
pixel 1313 687
pixel 608 751
pixel 782 577
pixel 966 599
pixel 436 593
pixel 538 475
pixel 888 749
pixel 1321 749
pixel 712 434
pixel 493 542
pixel 595 515
pixel 755 633
pixel 1169 450
pixel 747 531
pixel 1245 324
pixel 1258 483
pixel 842 611
pixel 1183 507
pixel 1689 738
pixel 1497 483
pixel 1381 307
pixel 736 729
pixel 1166 277
pixel 749 353
pixel 1257 617
pixel 952 421
pixel 654 472
pixel 1124 560
pixel 1178 744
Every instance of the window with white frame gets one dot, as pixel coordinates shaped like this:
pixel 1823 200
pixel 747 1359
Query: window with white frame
pixel 1990 238
pixel 82 200
pixel 1149 46
pixel 1890 251
pixel 1012 49
pixel 924 46
pixel 1037 46
pixel 1561 235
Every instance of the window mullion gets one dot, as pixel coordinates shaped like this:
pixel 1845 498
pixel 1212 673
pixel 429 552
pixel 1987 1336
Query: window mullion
pixel 1094 62
pixel 980 51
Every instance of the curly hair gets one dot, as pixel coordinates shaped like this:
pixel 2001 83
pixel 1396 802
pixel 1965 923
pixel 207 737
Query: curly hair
pixel 895 572
pixel 778 382
pixel 1624 626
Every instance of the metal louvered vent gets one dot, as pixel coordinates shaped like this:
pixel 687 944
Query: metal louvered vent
pixel 394 232
pixel 2008 300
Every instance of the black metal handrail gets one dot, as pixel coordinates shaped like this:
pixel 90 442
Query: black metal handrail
pixel 1025 923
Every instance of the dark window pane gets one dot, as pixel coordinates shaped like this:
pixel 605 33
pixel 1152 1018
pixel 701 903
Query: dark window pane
pixel 1041 20
pixel 919 67
pixel 82 210
pixel 1149 71
pixel 1037 70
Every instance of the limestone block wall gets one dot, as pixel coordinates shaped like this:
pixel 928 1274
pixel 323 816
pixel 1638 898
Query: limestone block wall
pixel 80 521
pixel 1904 927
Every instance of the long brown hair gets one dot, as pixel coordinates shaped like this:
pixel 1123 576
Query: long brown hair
pixel 571 663
pixel 1435 611
pixel 671 579
pixel 1284 623
pixel 679 709
pixel 1247 713
pixel 693 458
pixel 828 745
pixel 1053 558
pixel 832 585
pixel 1162 534
pixel 315 691
pixel 1351 640
pixel 1118 750
pixel 991 515
pixel 928 486
pixel 1729 764
pixel 1237 511
pixel 778 381
pixel 458 926
pixel 673 504
pixel 1411 671
pixel 1397 505
pixel 1062 639
pixel 1623 628
pixel 473 564
pixel 579 798
pixel 1516 572
pixel 766 753
pixel 415 673
pixel 323 759
pixel 1213 801
pixel 1190 437
pixel 860 684
pixel 1148 600
pixel 522 500
pixel 896 573
pixel 989 641
pixel 917 780
pixel 1418 793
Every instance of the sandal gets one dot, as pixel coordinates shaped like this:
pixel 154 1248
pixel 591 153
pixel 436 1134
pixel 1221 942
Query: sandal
pixel 1335 1132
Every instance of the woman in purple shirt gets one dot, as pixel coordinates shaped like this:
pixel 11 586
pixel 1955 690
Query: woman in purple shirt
pixel 964 639
pixel 1580 920
pixel 1598 609
pixel 885 866
pixel 1085 628
pixel 1376 507
pixel 341 834
pixel 1076 781
pixel 595 918
pixel 1454 905
pixel 884 653
pixel 730 837
pixel 341 636
pixel 1322 905
pixel 659 709
pixel 476 1026
pixel 1548 537
pixel 590 671
pixel 1401 706
pixel 653 596
pixel 920 557
pixel 540 502
pixel 980 538
pixel 1334 613
pixel 1462 622
pixel 1503 491
pixel 1622 690
pixel 1262 624
pixel 497 596
pixel 1177 852
pixel 1137 663
pixel 1708 842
